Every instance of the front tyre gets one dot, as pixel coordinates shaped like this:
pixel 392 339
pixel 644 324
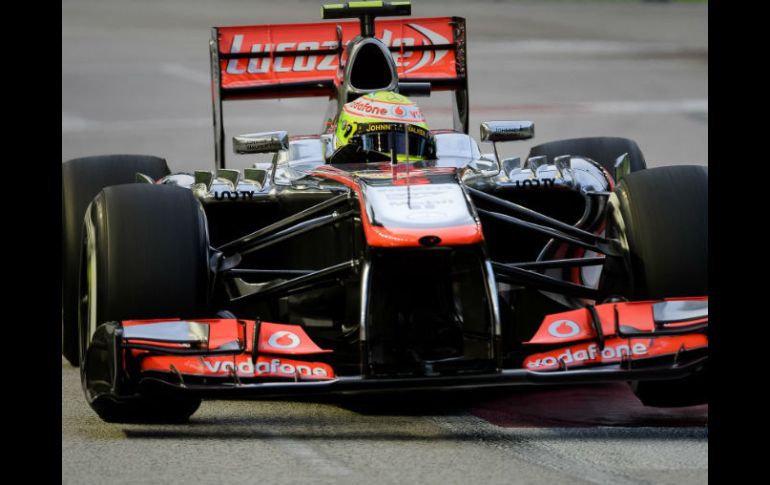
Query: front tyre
pixel 661 216
pixel 146 256
pixel 82 179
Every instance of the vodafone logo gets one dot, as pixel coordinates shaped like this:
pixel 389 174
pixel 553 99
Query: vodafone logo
pixel 267 368
pixel 283 340
pixel 365 107
pixel 590 354
pixel 563 329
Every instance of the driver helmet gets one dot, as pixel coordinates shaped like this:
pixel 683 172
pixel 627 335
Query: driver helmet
pixel 384 120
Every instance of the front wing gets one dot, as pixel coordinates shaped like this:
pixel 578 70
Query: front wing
pixel 232 358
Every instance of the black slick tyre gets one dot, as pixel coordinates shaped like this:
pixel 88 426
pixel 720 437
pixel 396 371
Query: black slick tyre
pixel 82 179
pixel 145 256
pixel 661 214
pixel 664 212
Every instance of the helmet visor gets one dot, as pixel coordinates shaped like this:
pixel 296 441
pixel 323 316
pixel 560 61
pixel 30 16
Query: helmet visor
pixel 409 139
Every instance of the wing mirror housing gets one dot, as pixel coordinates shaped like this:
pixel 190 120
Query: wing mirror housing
pixel 495 131
pixel 498 131
pixel 266 142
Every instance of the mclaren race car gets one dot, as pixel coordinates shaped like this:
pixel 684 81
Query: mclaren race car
pixel 378 255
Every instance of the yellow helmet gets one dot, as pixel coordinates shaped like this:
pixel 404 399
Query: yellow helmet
pixel 384 121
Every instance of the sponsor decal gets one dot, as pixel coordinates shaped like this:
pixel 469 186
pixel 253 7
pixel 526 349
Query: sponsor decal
pixel 370 127
pixel 322 59
pixel 363 106
pixel 423 205
pixel 264 65
pixel 278 338
pixel 574 325
pixel 433 39
pixel 576 356
pixel 267 367
pixel 378 111
pixel 397 127
pixel 615 350
pixel 234 195
pixel 563 329
pixel 262 145
pixel 283 340
pixel 534 183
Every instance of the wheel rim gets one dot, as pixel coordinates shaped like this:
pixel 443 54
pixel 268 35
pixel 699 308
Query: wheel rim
pixel 87 309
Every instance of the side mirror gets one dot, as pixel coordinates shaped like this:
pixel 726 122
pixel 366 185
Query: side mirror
pixel 622 167
pixel 267 142
pixel 327 146
pixel 507 130
pixel 496 131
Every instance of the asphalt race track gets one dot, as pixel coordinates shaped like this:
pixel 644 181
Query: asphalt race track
pixel 135 79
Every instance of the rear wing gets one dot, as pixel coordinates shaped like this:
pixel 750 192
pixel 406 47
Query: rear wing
pixel 296 60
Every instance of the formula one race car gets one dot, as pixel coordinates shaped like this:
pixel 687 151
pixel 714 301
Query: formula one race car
pixel 378 255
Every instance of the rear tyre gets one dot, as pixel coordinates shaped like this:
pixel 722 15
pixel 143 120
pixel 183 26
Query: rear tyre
pixel 662 215
pixel 82 179
pixel 146 256
pixel 601 149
